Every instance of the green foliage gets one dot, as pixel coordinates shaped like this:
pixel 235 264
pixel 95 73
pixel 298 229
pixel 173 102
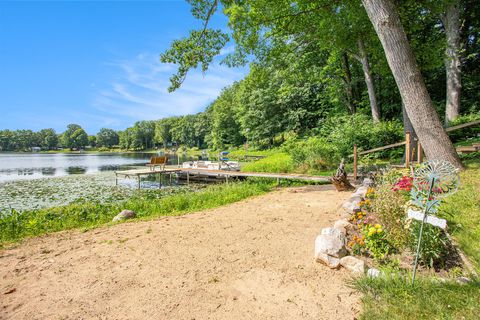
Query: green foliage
pixel 74 137
pixel 465 133
pixel 345 131
pixel 376 241
pixel 389 205
pixel 393 297
pixel 435 245
pixel 277 163
pixel 16 225
pixel 107 138
pixel 312 154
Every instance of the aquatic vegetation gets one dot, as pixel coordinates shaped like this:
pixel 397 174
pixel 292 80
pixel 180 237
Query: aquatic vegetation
pixel 15 225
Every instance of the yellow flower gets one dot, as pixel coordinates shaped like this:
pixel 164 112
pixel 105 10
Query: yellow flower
pixel 379 230
pixel 377 226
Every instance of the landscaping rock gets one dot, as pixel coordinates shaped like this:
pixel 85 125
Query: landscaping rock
pixel 352 204
pixel 124 215
pixel 327 260
pixel 342 225
pixel 463 280
pixel 353 264
pixel 362 191
pixel 373 273
pixel 331 242
pixel 367 182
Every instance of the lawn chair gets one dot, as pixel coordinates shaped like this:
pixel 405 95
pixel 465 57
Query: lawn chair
pixel 157 162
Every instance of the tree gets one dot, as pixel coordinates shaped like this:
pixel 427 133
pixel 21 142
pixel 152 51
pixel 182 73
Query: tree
pixel 107 138
pixel 418 104
pixel 48 139
pixel 452 26
pixel 163 133
pixel 74 137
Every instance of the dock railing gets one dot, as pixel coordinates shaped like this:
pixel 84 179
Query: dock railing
pixel 409 151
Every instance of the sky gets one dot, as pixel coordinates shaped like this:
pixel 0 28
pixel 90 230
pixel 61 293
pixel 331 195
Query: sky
pixel 96 63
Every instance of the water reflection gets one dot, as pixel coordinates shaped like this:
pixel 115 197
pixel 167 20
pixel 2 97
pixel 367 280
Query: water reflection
pixel 76 170
pixel 15 166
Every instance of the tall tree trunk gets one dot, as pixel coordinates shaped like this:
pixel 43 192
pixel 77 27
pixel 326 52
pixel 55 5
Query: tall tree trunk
pixel 363 58
pixel 348 83
pixel 386 21
pixel 451 23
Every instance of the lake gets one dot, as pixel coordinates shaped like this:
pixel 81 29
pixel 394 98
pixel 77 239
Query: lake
pixel 25 166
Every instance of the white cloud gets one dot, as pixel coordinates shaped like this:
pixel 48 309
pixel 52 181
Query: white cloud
pixel 140 91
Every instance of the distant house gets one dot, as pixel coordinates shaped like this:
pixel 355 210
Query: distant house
pixel 36 149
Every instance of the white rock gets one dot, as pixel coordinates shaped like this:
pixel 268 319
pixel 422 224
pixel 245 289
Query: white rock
pixel 353 264
pixel 362 191
pixel 373 273
pixel 330 242
pixel 343 225
pixel 352 204
pixel 125 214
pixel 329 261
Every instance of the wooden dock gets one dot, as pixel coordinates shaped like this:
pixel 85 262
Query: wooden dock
pixel 219 175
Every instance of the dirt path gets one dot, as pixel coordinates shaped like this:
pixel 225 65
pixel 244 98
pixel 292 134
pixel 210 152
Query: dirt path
pixel 249 260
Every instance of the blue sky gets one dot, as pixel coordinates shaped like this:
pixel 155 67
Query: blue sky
pixel 96 63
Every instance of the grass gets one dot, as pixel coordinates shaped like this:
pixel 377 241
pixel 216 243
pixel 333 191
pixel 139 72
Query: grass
pixel 463 212
pixel 277 163
pixel 395 298
pixel 15 225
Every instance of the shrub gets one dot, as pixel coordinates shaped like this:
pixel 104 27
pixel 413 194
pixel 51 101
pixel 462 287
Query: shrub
pixel 434 248
pixel 465 133
pixel 313 154
pixel 345 131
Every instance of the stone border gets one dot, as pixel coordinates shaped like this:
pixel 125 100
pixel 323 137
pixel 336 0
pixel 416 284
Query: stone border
pixel 330 244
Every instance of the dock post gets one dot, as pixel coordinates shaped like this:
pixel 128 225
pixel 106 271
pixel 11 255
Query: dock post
pixel 188 178
pixel 278 181
pixel 159 180
pixel 139 182
pixel 116 179
pixel 226 178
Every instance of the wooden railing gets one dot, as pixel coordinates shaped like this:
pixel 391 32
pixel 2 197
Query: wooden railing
pixel 408 150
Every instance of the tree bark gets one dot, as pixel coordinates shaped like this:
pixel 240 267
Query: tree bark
pixel 348 83
pixel 362 57
pixel 452 25
pixel 418 104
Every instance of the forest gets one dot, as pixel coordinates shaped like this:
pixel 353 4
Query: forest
pixel 324 85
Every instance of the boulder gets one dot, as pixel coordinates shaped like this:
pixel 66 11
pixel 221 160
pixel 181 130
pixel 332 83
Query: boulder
pixel 330 242
pixel 353 265
pixel 327 260
pixel 124 215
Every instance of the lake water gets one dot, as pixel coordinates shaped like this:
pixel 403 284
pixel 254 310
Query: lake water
pixel 24 166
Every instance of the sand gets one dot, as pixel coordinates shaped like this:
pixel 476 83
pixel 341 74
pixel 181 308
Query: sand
pixel 249 260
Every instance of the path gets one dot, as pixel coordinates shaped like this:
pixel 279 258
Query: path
pixel 249 260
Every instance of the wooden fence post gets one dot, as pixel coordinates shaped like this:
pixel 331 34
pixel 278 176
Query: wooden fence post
pixel 355 160
pixel 407 149
pixel 419 152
